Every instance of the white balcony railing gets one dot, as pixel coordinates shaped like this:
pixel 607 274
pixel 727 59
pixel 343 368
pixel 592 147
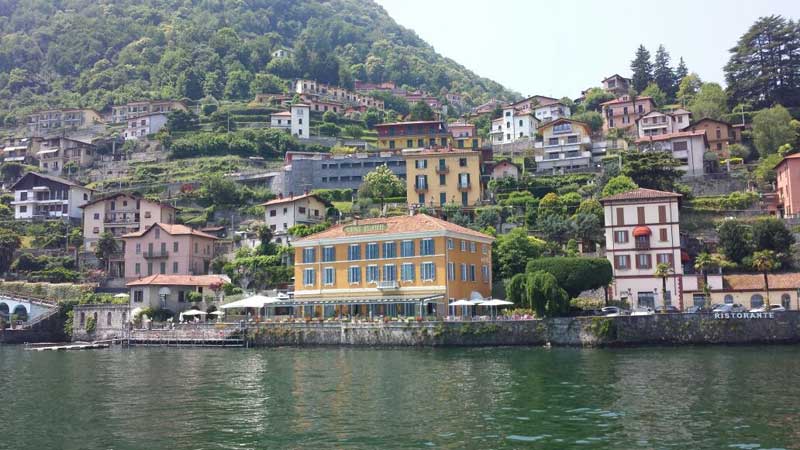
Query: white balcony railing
pixel 387 285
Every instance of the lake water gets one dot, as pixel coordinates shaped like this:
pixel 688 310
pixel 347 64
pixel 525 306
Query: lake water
pixel 644 398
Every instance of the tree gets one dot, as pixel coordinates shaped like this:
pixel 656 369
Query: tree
pixel 354 131
pixel 180 120
pixel 551 205
pixel 705 262
pixel 238 85
pixel 681 71
pixel 576 274
pixel 381 183
pixel 515 290
pixel 592 118
pixel 266 83
pixel 265 246
pixel 330 129
pixel 596 96
pixel 652 169
pixel 658 95
pixel 663 271
pixel 688 88
pixel 771 129
pixel 642 69
pixel 555 228
pixel 765 261
pixel 421 111
pixel 770 233
pixel 330 117
pixel 372 117
pixel 618 185
pixel 763 65
pixel 663 76
pixel 11 171
pixel 710 101
pixel 106 247
pixel 513 251
pixel 589 229
pixel 9 243
pixel 735 240
pixel 544 294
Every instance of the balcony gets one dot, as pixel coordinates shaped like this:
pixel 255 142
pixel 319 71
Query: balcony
pixel 464 186
pixel 387 285
pixel 440 170
pixel 421 188
pixel 156 254
pixel 643 244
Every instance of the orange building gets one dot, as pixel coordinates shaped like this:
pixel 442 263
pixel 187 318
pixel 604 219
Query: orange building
pixel 392 266
pixel 720 134
pixel 625 111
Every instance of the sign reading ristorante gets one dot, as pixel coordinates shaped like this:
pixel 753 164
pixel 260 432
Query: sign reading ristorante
pixel 365 228
pixel 745 315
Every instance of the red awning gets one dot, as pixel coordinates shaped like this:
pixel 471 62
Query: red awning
pixel 684 256
pixel 641 231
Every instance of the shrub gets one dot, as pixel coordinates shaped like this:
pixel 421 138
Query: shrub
pixel 194 297
pixel 91 324
pixel 575 275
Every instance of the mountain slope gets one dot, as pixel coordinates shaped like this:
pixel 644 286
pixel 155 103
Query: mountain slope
pixel 93 53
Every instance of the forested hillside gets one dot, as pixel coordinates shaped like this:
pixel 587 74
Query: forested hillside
pixel 91 53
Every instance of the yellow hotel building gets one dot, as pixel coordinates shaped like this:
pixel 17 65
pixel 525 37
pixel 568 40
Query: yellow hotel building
pixel 436 177
pixel 392 266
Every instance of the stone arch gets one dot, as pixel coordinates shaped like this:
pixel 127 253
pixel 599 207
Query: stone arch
pixel 4 311
pixel 21 312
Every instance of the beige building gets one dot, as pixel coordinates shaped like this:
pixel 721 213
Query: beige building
pixel 656 122
pixel 50 121
pixel 171 291
pixel 566 144
pixel 436 177
pixel 617 85
pixel 747 290
pixel 642 230
pixel 55 153
pixel 169 249
pixel 121 113
pixel 623 112
pixel 283 213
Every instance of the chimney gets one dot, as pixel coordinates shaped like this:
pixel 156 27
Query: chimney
pixel 280 195
pixel 305 191
pixel 291 194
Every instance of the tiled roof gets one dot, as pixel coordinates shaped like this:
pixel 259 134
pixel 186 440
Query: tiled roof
pixel 709 119
pixel 755 282
pixel 119 194
pixel 278 201
pixel 49 177
pixel 172 229
pixel 417 122
pixel 668 136
pixel 283 113
pixel 640 194
pixel 178 280
pixel 563 120
pixel 618 76
pixel 396 225
pixel 623 100
pixel 792 156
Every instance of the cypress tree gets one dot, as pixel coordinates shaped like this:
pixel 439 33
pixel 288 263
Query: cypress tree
pixel 663 75
pixel 642 69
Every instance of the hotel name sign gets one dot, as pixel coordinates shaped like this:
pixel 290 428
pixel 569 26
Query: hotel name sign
pixel 744 315
pixel 366 228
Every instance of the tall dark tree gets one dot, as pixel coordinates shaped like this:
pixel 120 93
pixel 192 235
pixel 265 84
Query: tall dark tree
pixel 642 69
pixel 764 67
pixel 663 75
pixel 681 71
pixel 652 169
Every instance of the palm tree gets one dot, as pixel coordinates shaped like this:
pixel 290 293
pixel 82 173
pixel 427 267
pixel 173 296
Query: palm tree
pixel 663 270
pixel 765 261
pixel 705 262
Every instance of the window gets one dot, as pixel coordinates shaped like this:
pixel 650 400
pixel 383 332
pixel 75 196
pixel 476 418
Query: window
pixel 756 301
pixel 485 273
pixel 679 146
pixel 463 272
pixel 389 272
pixel 308 277
pixel 426 247
pixel 354 275
pixel 620 216
pixel 662 214
pixel 451 271
pixel 273 212
pixel 175 267
pixel 328 276
pixel 664 258
pixel 175 247
pixel 643 261
pixel 372 251
pixel 473 247
pixel 301 210
pixel 442 179
pixel 158 233
pixel 450 244
pixel 640 215
pixel 389 250
pixel 407 272
pixel 622 262
pixel 96 216
pixel 443 198
pixel 372 274
pixel 162 268
pixel 181 296
pixel 463 245
pixel 309 255
pixel 138 297
pixel 646 300
pixel 663 235
pixel 421 163
pixel 462 162
pixel 427 271
pixel 786 301
pixel 407 249
pixel 137 268
pixel 149 269
pixel 354 252
pixel 472 272
pixel 620 237
pixel 485 249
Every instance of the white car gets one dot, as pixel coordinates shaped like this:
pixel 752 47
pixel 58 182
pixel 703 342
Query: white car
pixel 729 308
pixel 643 312
pixel 772 308
pixel 613 311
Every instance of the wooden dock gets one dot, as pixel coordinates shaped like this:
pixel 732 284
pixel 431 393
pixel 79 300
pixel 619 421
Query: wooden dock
pixel 64 347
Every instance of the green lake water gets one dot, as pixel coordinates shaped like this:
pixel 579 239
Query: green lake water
pixel 483 398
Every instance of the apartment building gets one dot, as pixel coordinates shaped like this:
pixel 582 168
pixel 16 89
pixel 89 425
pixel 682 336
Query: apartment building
pixel 306 170
pixel 172 249
pixel 282 213
pixel 419 134
pixel 295 121
pixel 121 113
pixel 50 121
pixel 40 196
pixel 617 85
pixel 436 177
pixel 514 125
pixel 788 185
pixel 144 125
pixel 623 112
pixel 464 135
pixel 642 230
pixel 720 134
pixel 393 266
pixel 566 145
pixel 312 91
pixel 687 147
pixel 657 122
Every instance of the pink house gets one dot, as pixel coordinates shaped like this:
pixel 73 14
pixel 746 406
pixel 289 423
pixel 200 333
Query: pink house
pixel 788 185
pixel 167 249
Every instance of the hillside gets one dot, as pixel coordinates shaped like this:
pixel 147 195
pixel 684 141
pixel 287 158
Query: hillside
pixel 85 53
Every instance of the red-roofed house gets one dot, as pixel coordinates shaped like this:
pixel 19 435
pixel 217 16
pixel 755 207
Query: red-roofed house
pixel 167 249
pixel 642 231
pixel 170 291
pixel 625 111
pixel 617 85
pixel 687 147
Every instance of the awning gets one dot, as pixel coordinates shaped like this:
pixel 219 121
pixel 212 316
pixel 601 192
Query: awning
pixel 14 158
pixel 45 152
pixel 641 231
pixel 359 301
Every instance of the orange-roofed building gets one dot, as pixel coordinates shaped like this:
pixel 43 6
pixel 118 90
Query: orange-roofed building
pixel 625 111
pixel 392 266
pixel 171 291
pixel 688 147
pixel 788 185
pixel 436 177
pixel 747 290
pixel 167 249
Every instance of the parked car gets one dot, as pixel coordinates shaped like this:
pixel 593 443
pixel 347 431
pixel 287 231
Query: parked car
pixel 613 311
pixel 694 309
pixel 773 308
pixel 729 308
pixel 669 309
pixel 643 312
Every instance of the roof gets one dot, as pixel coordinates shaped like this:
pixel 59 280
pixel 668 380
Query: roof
pixel 625 100
pixel 709 119
pixel 49 177
pixel 395 225
pixel 792 156
pixel 417 122
pixel 616 75
pixel 564 119
pixel 283 113
pixel 641 194
pixel 669 136
pixel 172 229
pixel 178 280
pixel 755 282
pixel 411 152
pixel 278 201
pixel 119 194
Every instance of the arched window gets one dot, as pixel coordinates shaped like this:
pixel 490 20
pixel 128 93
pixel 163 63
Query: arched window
pixel 108 319
pixel 83 319
pixel 95 317
pixel 786 300
pixel 124 318
pixel 756 301
pixel 728 299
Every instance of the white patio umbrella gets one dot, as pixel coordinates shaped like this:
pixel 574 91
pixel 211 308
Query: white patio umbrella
pixel 255 301
pixel 217 313
pixel 495 303
pixel 194 312
pixel 122 295
pixel 462 302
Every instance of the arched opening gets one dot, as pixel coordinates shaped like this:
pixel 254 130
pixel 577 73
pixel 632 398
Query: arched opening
pixel 21 313
pixel 786 301
pixel 83 319
pixel 94 316
pixel 4 312
pixel 124 318
pixel 728 299
pixel 756 301
pixel 108 319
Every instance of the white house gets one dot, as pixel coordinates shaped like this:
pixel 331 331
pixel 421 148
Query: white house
pixel 642 230
pixel 141 126
pixel 687 147
pixel 282 213
pixel 39 196
pixel 296 120
pixel 548 111
pixel 513 126
pixel 656 122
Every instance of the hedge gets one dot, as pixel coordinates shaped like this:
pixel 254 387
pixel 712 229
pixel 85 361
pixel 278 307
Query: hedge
pixel 59 292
